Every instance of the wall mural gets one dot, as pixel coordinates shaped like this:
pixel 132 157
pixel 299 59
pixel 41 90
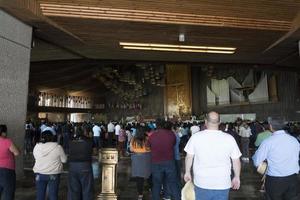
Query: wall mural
pixel 260 88
pixel 178 90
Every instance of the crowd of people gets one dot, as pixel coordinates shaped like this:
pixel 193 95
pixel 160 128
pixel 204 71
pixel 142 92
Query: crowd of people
pixel 213 153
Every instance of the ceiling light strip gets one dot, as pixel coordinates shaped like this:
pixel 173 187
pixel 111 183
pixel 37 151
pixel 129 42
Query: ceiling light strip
pixel 162 17
pixel 48 11
pixel 175 46
pixel 170 16
pixel 168 21
pixel 178 50
pixel 89 8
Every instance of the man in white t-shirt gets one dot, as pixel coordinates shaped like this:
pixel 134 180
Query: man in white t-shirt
pixel 110 132
pixel 211 152
pixel 117 132
pixel 96 136
pixel 245 133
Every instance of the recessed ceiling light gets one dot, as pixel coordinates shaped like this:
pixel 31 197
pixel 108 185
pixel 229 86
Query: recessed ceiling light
pixel 177 48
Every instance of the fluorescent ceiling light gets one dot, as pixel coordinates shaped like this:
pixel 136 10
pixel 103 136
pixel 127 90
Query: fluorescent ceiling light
pixel 176 46
pixel 178 50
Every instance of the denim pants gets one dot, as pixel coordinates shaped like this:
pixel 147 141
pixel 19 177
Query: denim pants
pixel 43 181
pixel 7 184
pixel 207 194
pixel 96 140
pixel 165 172
pixel 80 181
pixel 245 147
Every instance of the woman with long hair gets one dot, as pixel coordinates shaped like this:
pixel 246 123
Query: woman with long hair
pixel 140 159
pixel 8 151
pixel 49 158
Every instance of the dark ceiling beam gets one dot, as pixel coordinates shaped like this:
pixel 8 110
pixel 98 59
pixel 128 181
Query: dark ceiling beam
pixel 62 47
pixel 66 78
pixel 62 85
pixel 29 12
pixel 294 29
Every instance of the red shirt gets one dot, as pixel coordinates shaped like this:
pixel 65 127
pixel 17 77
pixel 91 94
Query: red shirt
pixel 162 144
pixel 7 159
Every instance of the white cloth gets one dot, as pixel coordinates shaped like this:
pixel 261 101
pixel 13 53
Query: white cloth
pixel 49 129
pixel 96 131
pixel 245 132
pixel 213 151
pixel 42 127
pixel 110 127
pixel 117 129
pixel 48 158
pixel 194 129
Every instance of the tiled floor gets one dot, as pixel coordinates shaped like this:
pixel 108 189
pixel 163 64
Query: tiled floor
pixel 250 184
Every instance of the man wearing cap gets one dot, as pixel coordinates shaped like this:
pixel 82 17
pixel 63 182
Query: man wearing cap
pixel 281 151
pixel 211 152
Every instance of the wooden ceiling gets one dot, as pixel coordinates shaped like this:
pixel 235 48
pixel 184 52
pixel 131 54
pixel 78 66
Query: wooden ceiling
pixel 263 31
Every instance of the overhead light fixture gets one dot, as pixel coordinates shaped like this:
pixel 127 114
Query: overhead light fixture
pixel 181 37
pixel 177 48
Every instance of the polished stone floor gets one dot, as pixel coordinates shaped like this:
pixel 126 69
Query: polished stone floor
pixel 250 184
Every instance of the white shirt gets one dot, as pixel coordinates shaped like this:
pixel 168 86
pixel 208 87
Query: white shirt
pixel 48 158
pixel 110 127
pixel 117 129
pixel 213 151
pixel 245 132
pixel 194 129
pixel 96 131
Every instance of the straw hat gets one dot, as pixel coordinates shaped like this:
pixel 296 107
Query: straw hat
pixel 262 168
pixel 188 192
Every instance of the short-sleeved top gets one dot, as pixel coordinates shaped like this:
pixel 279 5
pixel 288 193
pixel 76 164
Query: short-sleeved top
pixel 7 159
pixel 162 144
pixel 96 131
pixel 213 151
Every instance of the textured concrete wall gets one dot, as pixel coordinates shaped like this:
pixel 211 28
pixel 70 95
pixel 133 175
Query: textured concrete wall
pixel 15 46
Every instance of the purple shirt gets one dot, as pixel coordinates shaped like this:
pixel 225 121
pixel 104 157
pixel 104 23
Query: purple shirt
pixel 162 144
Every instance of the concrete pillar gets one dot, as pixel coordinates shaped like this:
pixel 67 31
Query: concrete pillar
pixel 15 47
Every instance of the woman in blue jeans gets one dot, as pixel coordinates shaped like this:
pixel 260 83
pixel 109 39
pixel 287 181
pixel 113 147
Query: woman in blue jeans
pixel 80 178
pixel 8 151
pixel 49 158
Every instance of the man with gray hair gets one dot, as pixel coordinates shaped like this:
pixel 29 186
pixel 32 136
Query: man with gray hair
pixel 281 151
pixel 210 152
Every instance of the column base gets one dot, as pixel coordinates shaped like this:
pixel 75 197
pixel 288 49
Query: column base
pixel 107 197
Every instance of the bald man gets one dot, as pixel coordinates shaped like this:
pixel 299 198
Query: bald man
pixel 211 152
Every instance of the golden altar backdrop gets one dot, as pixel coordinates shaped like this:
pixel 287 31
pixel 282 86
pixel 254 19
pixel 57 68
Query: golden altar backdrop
pixel 178 90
